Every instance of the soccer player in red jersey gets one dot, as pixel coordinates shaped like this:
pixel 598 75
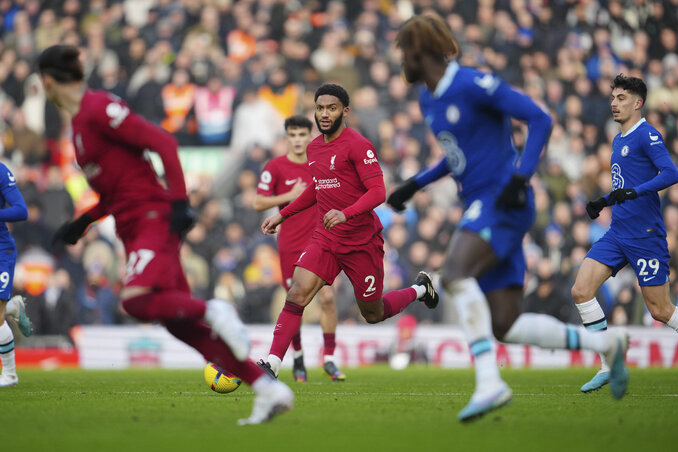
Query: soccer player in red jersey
pixel 347 185
pixel 110 142
pixel 283 179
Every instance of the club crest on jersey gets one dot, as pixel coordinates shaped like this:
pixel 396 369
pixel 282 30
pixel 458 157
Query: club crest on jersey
pixel 332 161
pixel 370 157
pixel 456 160
pixel 624 151
pixel 452 114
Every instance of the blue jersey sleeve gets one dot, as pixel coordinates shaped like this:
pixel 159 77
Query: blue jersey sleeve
pixel 432 174
pixel 657 152
pixel 17 210
pixel 517 105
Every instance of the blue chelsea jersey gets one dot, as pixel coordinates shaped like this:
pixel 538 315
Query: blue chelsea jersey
pixel 640 161
pixel 9 193
pixel 470 114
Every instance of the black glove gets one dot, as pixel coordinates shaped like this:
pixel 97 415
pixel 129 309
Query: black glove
pixel 514 195
pixel 593 208
pixel 182 217
pixel 71 231
pixel 402 194
pixel 620 195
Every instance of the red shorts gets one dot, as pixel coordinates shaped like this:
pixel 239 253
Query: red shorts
pixel 287 262
pixel 362 264
pixel 153 256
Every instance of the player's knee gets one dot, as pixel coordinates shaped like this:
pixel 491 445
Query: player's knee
pixel 372 317
pixel 581 294
pixel 298 295
pixel 500 327
pixel 660 312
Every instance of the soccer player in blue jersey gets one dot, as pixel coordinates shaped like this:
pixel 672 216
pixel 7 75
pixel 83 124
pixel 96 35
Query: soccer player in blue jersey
pixel 470 114
pixel 641 166
pixel 12 208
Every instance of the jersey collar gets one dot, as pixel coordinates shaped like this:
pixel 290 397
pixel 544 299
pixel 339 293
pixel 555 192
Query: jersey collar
pixel 447 79
pixel 635 126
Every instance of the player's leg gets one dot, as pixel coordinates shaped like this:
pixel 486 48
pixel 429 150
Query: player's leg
pixel 305 284
pixel 658 301
pixel 365 269
pixel 328 323
pixel 600 263
pixel 287 260
pixel 8 377
pixel 469 256
pixel 16 314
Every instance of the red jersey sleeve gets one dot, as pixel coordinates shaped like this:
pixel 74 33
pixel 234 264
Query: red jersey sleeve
pixel 119 124
pixel 364 159
pixel 305 200
pixel 267 180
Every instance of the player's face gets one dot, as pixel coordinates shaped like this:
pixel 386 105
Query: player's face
pixel 51 91
pixel 329 114
pixel 624 104
pixel 411 65
pixel 297 139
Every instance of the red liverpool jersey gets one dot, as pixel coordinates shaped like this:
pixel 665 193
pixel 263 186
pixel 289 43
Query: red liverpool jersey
pixel 339 169
pixel 278 177
pixel 110 143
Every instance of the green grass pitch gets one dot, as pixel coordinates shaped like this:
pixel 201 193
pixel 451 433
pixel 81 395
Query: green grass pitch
pixel 376 409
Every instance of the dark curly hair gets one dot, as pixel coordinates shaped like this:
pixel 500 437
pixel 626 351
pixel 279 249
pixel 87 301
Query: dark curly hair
pixel 631 84
pixel 333 90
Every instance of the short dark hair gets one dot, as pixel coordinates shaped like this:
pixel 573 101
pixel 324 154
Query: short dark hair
pixel 631 84
pixel 333 90
pixel 298 121
pixel 61 62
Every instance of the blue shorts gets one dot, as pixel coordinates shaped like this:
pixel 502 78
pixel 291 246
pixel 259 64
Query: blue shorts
pixel 649 257
pixel 504 231
pixel 7 263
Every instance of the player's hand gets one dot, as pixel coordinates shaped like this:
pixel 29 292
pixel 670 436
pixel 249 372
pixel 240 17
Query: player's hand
pixel 402 194
pixel 298 188
pixel 593 208
pixel 270 224
pixel 182 218
pixel 514 195
pixel 333 217
pixel 620 195
pixel 71 231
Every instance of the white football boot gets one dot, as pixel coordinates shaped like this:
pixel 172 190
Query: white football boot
pixel 7 379
pixel 276 399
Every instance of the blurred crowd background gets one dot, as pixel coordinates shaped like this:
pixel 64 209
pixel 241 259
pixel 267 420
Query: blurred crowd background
pixel 222 75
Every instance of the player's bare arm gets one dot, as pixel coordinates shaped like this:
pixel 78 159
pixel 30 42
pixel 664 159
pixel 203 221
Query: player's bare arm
pixel 263 202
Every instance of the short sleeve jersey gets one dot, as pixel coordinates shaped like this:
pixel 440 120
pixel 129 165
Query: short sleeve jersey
pixel 116 167
pixel 338 169
pixel 277 178
pixel 636 158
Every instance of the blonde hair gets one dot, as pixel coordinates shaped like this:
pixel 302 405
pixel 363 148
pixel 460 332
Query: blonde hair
pixel 428 34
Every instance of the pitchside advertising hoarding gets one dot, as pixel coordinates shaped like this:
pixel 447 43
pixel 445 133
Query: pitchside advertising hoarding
pixel 357 345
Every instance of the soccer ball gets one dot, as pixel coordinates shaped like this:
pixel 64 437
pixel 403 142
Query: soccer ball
pixel 219 380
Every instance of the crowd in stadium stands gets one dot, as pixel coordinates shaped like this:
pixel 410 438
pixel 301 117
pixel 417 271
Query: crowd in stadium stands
pixel 226 73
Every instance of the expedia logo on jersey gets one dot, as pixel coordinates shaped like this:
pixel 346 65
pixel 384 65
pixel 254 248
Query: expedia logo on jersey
pixel 91 170
pixel 370 158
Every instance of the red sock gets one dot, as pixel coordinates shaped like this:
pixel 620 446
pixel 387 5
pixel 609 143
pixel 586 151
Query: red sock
pixel 166 305
pixel 296 342
pixel 330 343
pixel 197 334
pixel 286 327
pixel 396 301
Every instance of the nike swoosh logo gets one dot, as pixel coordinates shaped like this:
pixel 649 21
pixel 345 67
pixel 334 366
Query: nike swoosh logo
pixel 647 279
pixel 311 163
pixel 369 293
pixel 290 181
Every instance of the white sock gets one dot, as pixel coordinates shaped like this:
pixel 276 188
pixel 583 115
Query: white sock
pixel 298 353
pixel 263 384
pixel 421 290
pixel 548 332
pixel 7 349
pixel 476 321
pixel 328 358
pixel 275 363
pixel 673 321
pixel 593 318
